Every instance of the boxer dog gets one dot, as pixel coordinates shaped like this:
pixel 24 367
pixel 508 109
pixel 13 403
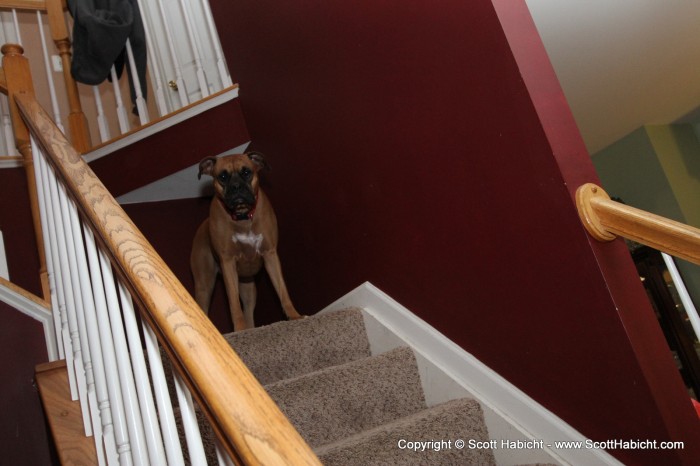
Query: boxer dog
pixel 237 239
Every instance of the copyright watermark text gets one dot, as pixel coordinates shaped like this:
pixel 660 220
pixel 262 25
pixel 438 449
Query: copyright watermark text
pixel 504 444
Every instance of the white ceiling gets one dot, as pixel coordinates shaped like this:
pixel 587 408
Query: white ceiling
pixel 623 63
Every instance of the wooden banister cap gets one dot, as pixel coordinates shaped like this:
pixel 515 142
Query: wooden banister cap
pixel 12 49
pixel 585 195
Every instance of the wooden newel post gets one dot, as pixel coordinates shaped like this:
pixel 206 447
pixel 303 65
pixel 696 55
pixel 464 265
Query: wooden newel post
pixel 19 81
pixel 77 123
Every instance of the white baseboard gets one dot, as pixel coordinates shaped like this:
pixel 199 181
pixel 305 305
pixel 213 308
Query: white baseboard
pixel 175 118
pixel 500 399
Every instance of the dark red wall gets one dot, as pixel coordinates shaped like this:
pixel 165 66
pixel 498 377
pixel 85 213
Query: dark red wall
pixel 18 230
pixel 211 132
pixel 24 437
pixel 415 147
pixel 24 434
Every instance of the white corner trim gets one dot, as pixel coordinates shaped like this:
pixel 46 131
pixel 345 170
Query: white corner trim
pixel 183 184
pixel 150 130
pixel 489 388
pixel 4 272
pixel 37 312
pixel 11 162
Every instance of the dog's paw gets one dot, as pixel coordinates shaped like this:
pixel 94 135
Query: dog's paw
pixel 297 317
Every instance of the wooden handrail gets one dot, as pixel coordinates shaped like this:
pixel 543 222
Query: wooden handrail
pixel 248 423
pixel 39 5
pixel 605 219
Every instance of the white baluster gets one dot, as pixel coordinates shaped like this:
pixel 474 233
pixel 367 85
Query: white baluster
pixel 121 111
pixel 9 135
pixel 94 368
pixel 195 47
pixel 153 68
pixel 3 26
pixel 123 447
pixel 154 440
pixel 173 448
pixel 101 118
pixel 140 101
pixel 137 439
pixel 8 28
pixel 38 176
pixel 69 284
pixel 93 327
pixel 216 44
pixel 16 23
pixel 189 422
pixel 49 76
pixel 221 455
pixel 52 245
pixel 182 91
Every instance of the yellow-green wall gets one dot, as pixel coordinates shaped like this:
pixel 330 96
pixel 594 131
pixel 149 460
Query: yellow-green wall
pixel 657 168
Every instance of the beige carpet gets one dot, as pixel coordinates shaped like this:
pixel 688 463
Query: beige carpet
pixel 355 409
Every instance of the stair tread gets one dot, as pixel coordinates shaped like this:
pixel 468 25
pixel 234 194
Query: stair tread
pixel 290 348
pixel 457 419
pixel 64 415
pixel 342 400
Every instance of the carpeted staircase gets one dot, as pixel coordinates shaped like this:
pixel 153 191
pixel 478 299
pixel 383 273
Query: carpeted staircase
pixel 355 408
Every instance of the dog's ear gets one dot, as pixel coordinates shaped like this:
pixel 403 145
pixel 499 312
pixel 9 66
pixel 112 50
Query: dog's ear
pixel 258 159
pixel 206 167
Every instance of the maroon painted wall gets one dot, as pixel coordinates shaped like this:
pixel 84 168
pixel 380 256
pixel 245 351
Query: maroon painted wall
pixel 18 230
pixel 24 433
pixel 211 132
pixel 415 147
pixel 24 436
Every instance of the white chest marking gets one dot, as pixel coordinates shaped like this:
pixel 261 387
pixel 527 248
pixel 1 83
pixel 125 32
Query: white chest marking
pixel 249 238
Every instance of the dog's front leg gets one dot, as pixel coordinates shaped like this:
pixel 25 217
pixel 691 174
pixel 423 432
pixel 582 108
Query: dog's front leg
pixel 274 270
pixel 230 275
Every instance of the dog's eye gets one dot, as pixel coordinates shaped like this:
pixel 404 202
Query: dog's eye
pixel 246 173
pixel 224 176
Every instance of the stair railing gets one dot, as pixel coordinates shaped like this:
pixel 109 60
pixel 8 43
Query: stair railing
pixel 606 219
pixel 109 289
pixel 185 65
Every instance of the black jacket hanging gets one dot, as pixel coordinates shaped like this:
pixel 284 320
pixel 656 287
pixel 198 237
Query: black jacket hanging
pixel 100 31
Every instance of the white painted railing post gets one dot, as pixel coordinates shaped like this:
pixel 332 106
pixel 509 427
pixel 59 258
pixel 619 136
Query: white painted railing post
pixel 102 125
pixel 65 279
pixel 683 294
pixel 179 82
pixel 154 68
pixel 122 115
pixel 51 244
pixel 173 449
pixel 154 440
pixel 195 49
pixel 136 82
pixel 94 368
pixel 189 422
pixel 49 76
pixel 216 44
pixel 55 310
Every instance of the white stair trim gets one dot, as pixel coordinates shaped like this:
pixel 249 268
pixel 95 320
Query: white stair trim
pixel 492 390
pixel 34 310
pixel 167 122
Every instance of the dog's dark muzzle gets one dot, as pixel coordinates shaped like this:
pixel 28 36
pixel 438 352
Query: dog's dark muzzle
pixel 238 195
